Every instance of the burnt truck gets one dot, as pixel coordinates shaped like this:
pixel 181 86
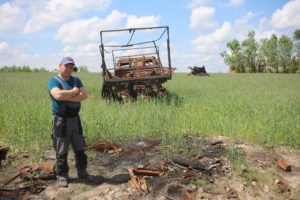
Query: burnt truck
pixel 137 69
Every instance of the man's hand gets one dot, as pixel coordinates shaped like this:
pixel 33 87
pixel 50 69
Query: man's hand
pixel 64 95
pixel 75 90
pixel 79 97
pixel 74 95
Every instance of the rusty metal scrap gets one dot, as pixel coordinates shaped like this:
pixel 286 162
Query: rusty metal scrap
pixel 31 177
pixel 23 190
pixel 47 166
pixel 35 186
pixel 144 185
pixel 145 171
pixel 283 165
pixel 103 145
pixel 44 170
pixel 140 183
pixel 135 182
pixel 140 66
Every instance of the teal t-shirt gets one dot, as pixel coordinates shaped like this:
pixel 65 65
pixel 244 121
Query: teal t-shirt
pixel 69 84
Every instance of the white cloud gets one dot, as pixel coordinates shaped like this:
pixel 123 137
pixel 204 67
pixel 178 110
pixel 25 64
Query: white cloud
pixel 80 50
pixel 197 3
pixel 228 31
pixel 234 3
pixel 208 48
pixel 244 20
pixel 201 18
pixel 144 21
pixel 16 55
pixel 211 45
pixel 222 34
pixel 82 36
pixel 10 53
pixel 84 55
pixel 264 29
pixel 87 30
pixel 4 47
pixel 288 16
pixel 10 17
pixel 53 12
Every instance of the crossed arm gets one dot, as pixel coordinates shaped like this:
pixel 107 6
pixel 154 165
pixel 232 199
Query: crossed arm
pixel 74 95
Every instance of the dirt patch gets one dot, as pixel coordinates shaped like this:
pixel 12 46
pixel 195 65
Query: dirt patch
pixel 201 168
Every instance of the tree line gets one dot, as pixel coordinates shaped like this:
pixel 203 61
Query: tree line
pixel 274 54
pixel 26 68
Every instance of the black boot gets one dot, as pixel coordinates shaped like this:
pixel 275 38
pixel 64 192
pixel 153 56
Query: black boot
pixel 81 164
pixel 62 169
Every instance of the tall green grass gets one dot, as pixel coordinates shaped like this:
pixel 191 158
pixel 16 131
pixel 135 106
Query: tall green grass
pixel 263 108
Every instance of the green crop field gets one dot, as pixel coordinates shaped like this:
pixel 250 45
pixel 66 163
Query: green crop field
pixel 262 108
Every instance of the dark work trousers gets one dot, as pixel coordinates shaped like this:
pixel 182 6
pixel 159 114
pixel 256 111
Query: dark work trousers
pixel 66 131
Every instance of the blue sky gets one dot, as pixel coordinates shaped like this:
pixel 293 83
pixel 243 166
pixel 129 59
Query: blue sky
pixel 39 33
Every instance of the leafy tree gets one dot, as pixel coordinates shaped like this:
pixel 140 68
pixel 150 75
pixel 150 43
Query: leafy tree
pixel 249 47
pixel 271 54
pixel 268 51
pixel 285 47
pixel 297 46
pixel 42 69
pixel 297 34
pixel 233 58
pixel 25 69
pixel 83 69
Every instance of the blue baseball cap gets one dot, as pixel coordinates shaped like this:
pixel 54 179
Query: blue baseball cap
pixel 67 60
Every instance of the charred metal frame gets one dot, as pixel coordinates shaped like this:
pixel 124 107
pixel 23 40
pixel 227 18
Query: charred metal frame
pixel 130 79
pixel 105 70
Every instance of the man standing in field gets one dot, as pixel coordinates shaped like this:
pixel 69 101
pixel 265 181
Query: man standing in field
pixel 66 93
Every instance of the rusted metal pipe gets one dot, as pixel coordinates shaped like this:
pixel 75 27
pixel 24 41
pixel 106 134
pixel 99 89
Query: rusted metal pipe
pixel 283 165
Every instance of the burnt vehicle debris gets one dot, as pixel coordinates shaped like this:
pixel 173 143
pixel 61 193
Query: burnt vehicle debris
pixel 137 69
pixel 198 71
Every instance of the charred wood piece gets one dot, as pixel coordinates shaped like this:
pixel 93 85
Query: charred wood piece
pixel 216 142
pixel 195 164
pixel 3 152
